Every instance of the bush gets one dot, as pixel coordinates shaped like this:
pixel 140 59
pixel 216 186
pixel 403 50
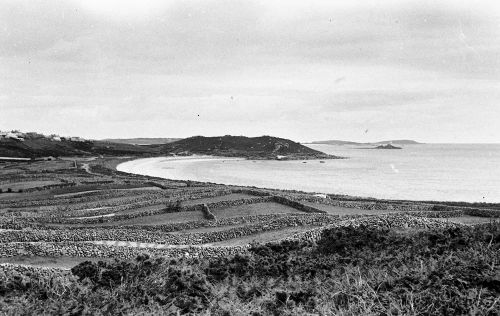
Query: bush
pixel 86 270
pixel 346 240
pixel 352 271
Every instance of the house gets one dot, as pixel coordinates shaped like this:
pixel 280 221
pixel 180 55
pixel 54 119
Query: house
pixel 321 195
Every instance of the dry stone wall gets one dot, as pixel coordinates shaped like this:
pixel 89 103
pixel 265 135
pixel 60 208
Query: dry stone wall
pixel 79 249
pixel 160 237
pixel 381 221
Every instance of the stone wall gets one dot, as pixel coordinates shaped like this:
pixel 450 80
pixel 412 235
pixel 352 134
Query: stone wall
pixel 55 243
pixel 296 205
pixel 310 219
pixel 160 237
pixel 403 207
pixel 76 249
pixel 8 270
pixel 381 221
pixel 163 210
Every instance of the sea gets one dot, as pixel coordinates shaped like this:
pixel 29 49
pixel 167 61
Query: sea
pixel 438 172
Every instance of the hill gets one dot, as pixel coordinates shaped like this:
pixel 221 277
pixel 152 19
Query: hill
pixel 399 142
pixel 264 147
pixel 343 142
pixel 336 142
pixel 141 141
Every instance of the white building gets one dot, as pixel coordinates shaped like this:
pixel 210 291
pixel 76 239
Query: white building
pixel 321 195
pixel 15 135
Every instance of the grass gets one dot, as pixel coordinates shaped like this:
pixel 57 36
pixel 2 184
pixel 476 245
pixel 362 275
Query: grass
pixel 15 186
pixel 125 187
pixel 254 209
pixel 167 218
pixel 207 229
pixel 229 197
pixel 470 220
pixel 351 271
pixel 263 237
pixel 338 210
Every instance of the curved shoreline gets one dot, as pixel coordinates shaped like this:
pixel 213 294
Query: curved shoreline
pixel 142 166
pixel 152 167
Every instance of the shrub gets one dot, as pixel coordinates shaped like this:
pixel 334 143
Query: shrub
pixel 86 270
pixel 346 240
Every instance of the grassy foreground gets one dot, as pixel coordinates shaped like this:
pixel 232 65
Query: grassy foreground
pixel 350 271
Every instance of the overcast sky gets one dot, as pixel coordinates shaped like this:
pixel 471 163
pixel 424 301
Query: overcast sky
pixel 305 70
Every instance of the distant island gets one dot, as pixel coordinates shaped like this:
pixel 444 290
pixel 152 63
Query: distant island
pixel 33 145
pixel 388 146
pixel 343 142
pixel 141 141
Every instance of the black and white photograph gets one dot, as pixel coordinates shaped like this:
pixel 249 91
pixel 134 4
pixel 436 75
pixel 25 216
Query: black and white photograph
pixel 249 157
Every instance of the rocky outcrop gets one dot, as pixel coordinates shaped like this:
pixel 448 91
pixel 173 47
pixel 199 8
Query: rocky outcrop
pixel 206 212
pixel 387 146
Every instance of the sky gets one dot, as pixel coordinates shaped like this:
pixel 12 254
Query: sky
pixel 304 70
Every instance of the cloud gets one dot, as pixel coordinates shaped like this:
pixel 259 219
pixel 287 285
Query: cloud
pixel 285 64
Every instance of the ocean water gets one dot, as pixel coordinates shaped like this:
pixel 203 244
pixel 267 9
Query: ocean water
pixel 447 172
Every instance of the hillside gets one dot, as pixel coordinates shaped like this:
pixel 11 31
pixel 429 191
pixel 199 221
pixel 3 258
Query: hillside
pixel 264 147
pixel 141 141
pixel 32 145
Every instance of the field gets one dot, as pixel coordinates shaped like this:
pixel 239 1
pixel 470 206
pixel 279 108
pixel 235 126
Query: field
pixel 57 214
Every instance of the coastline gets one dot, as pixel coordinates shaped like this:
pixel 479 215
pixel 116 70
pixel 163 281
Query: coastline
pixel 145 166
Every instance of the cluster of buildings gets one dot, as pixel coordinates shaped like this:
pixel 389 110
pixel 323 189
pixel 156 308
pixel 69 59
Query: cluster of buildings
pixel 20 136
pixel 13 135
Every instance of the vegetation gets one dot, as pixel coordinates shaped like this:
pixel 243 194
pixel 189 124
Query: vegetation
pixel 350 271
pixel 36 145
pixel 266 147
